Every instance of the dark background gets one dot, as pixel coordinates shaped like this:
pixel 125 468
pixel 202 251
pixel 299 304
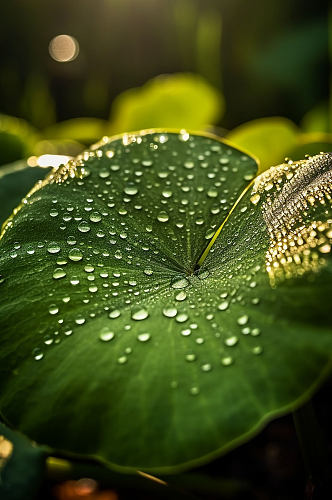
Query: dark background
pixel 270 57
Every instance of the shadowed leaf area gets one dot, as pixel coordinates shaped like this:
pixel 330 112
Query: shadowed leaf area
pixel 116 344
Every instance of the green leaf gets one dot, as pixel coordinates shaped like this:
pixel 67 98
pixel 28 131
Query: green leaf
pixel 116 344
pixel 311 144
pixel 15 180
pixel 269 139
pixel 17 139
pixel 317 119
pixel 22 466
pixel 173 101
pixel 82 130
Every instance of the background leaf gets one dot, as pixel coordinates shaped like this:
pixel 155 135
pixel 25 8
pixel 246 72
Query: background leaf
pixel 15 180
pixel 270 139
pixel 82 130
pixel 168 101
pixel 17 139
pixel 22 466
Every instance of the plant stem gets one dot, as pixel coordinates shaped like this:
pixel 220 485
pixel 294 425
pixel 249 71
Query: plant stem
pixel 312 445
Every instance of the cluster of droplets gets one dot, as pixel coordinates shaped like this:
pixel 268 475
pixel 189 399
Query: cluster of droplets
pixel 291 195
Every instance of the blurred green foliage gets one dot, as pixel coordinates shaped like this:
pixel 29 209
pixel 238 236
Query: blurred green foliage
pixel 17 139
pixel 22 466
pixel 262 62
pixel 170 101
pixel 268 138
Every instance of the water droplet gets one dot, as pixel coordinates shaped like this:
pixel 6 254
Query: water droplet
pixel 227 361
pixel 181 296
pixel 53 309
pixel 122 360
pixel 186 332
pixel 179 283
pixel 243 320
pixel 58 273
pixel 181 317
pixel 53 247
pixel 223 305
pixel 167 193
pixel 163 216
pixel 83 227
pixel 230 341
pixel 95 217
pixel 190 357
pixel 255 199
pixel 75 254
pixel 37 354
pixel 106 334
pixel 114 314
pixel 143 337
pixel 71 240
pixel 189 164
pixel 257 349
pixel 140 313
pixel 170 312
pixel 206 367
pixel 212 193
pixel 80 320
pixel 131 189
pixel 194 391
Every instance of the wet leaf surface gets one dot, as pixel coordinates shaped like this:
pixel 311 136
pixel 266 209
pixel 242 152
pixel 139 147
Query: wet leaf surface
pixel 132 338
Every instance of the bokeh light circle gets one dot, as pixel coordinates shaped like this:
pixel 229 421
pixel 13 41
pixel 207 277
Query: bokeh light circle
pixel 63 48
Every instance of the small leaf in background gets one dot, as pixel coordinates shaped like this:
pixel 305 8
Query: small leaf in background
pixel 317 119
pixel 17 139
pixel 311 144
pixel 81 130
pixel 173 101
pixel 269 139
pixel 15 180
pixel 37 102
pixel 22 466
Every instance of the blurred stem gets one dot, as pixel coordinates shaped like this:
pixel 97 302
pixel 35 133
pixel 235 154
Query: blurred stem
pixel 312 444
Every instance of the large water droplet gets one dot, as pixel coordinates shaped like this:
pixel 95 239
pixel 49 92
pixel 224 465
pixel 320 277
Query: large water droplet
pixel 58 273
pixel 143 337
pixel 139 314
pixel 106 334
pixel 75 254
pixel 179 283
pixel 53 247
pixel 83 227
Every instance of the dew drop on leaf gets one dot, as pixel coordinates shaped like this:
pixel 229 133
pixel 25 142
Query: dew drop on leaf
pixel 226 361
pixel 242 320
pixel 75 254
pixel 83 227
pixel 114 314
pixel 140 313
pixel 58 273
pixel 143 337
pixel 53 247
pixel 179 283
pixel 106 334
